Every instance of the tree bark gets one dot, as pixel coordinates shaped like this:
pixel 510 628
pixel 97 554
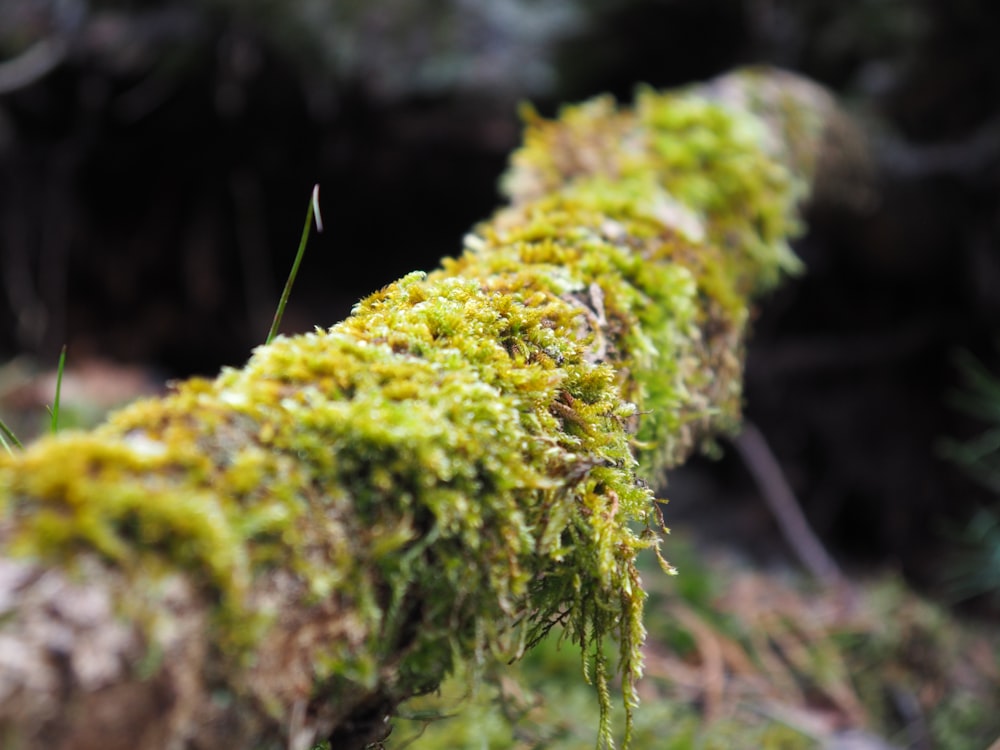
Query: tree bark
pixel 285 553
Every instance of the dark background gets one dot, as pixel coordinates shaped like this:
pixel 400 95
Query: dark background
pixel 154 181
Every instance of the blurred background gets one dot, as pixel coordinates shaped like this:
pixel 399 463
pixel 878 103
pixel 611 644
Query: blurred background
pixel 156 160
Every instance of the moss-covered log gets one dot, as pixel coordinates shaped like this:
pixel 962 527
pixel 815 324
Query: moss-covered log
pixel 286 552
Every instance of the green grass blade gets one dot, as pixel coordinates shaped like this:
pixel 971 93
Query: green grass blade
pixel 7 437
pixel 311 213
pixel 54 411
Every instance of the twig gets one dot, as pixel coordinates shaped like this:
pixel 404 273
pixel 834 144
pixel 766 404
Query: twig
pixel 774 488
pixel 33 64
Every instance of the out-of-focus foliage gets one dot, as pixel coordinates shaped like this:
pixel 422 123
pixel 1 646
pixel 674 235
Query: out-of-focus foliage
pixel 401 47
pixel 842 39
pixel 981 399
pixel 976 567
pixel 739 659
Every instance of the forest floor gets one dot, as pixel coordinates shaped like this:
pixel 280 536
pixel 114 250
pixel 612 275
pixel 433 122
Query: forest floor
pixel 743 658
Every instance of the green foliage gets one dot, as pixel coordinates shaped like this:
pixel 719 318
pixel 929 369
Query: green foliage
pixel 981 399
pixel 7 436
pixel 976 569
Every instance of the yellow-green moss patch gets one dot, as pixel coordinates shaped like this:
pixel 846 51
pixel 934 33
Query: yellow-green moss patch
pixel 467 459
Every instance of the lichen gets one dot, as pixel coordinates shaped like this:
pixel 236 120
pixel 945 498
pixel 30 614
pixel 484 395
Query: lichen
pixel 466 460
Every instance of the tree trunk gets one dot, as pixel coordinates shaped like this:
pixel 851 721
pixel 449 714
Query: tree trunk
pixel 285 553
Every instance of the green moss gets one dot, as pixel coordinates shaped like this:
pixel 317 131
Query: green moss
pixel 466 459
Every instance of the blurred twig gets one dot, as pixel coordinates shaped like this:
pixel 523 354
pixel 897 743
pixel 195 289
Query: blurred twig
pixel 36 62
pixel 63 19
pixel 112 40
pixel 778 495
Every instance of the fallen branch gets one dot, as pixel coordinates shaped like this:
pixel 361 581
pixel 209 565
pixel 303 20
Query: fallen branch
pixel 285 553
